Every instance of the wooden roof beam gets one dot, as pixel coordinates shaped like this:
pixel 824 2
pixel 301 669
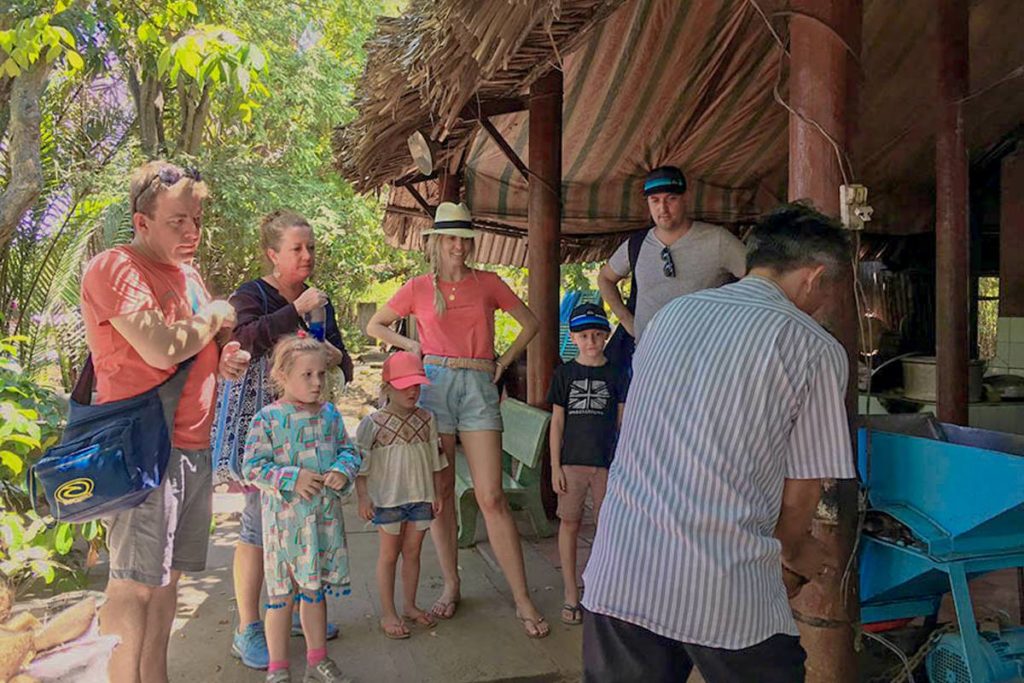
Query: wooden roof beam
pixel 424 204
pixel 479 111
pixel 506 149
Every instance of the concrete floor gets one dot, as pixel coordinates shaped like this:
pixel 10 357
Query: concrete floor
pixel 485 641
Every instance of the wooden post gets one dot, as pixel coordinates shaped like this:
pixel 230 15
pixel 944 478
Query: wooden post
pixel 1011 237
pixel 543 257
pixel 823 87
pixel 952 244
pixel 449 186
pixel 545 219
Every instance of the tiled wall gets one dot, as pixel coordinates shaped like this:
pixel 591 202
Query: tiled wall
pixel 1009 347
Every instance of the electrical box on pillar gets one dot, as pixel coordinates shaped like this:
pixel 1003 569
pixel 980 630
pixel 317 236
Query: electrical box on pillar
pixel 854 210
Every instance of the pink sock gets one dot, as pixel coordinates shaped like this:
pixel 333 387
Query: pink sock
pixel 277 666
pixel 314 657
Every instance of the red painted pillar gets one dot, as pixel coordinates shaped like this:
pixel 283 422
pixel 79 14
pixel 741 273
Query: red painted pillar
pixel 543 256
pixel 545 219
pixel 823 88
pixel 1011 237
pixel 952 243
pixel 449 186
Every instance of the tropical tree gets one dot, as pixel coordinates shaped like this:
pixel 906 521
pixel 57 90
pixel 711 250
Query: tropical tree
pixel 30 45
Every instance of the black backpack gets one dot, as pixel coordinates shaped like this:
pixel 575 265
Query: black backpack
pixel 619 350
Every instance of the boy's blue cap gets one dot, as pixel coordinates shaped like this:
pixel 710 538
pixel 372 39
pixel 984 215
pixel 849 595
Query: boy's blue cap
pixel 665 179
pixel 588 317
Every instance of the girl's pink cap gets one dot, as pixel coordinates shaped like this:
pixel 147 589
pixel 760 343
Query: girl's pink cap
pixel 403 370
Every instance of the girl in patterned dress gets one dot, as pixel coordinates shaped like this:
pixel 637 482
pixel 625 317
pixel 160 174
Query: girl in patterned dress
pixel 402 465
pixel 300 457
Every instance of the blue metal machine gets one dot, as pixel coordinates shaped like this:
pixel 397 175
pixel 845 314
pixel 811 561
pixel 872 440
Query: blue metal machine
pixel 944 506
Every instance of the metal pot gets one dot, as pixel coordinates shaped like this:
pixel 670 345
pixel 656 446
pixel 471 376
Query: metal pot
pixel 919 379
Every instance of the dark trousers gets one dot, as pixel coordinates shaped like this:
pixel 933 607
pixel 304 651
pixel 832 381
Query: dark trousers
pixel 615 651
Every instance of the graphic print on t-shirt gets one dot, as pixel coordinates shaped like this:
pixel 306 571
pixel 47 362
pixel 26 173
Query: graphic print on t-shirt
pixel 588 396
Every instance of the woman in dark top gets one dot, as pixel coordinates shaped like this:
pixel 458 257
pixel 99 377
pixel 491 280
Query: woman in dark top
pixel 268 308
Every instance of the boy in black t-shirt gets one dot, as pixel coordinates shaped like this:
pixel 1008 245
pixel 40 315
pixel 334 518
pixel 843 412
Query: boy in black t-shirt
pixel 586 399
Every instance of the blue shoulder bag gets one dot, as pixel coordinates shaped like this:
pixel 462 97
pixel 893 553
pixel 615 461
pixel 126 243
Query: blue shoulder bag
pixel 111 455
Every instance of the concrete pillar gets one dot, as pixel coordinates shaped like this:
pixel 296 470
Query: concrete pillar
pixel 823 87
pixel 952 242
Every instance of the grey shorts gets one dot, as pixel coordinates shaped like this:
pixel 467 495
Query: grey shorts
pixel 251 531
pixel 170 529
pixel 461 400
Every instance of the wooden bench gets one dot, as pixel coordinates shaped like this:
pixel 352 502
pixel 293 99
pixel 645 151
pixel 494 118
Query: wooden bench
pixel 523 442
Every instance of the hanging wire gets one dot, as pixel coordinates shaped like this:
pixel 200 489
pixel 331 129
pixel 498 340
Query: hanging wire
pixel 898 652
pixel 845 166
pixel 864 326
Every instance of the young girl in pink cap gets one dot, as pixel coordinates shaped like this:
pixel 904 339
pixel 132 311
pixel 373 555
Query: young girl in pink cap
pixel 401 468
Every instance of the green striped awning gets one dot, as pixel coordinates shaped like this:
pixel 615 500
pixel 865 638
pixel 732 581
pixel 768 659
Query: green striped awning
pixel 690 83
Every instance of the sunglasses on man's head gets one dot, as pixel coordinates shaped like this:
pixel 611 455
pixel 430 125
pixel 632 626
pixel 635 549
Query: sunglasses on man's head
pixel 667 266
pixel 168 176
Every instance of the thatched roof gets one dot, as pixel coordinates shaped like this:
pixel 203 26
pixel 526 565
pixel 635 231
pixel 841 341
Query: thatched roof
pixel 649 82
pixel 441 57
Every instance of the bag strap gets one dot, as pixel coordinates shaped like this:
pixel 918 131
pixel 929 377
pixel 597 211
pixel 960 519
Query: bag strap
pixel 82 392
pixel 86 383
pixel 263 296
pixel 636 242
pixel 171 390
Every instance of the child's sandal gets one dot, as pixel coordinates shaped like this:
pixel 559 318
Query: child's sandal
pixel 575 614
pixel 421 619
pixel 394 631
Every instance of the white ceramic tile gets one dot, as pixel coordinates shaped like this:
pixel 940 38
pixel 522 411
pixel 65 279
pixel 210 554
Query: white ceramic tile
pixel 1003 330
pixel 1017 330
pixel 1016 358
pixel 1003 351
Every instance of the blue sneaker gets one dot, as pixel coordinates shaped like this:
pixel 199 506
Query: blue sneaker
pixel 251 646
pixel 332 629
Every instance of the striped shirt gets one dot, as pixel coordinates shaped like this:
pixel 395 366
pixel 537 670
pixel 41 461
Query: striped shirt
pixel 734 391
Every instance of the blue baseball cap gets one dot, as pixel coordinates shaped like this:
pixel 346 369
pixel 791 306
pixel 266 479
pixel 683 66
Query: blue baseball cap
pixel 588 317
pixel 665 179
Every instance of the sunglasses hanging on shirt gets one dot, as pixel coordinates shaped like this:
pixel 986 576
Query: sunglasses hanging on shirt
pixel 667 266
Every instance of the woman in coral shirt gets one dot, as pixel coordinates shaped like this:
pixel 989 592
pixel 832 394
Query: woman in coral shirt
pixel 454 307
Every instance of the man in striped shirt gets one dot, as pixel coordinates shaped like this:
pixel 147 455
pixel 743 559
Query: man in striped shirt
pixel 735 414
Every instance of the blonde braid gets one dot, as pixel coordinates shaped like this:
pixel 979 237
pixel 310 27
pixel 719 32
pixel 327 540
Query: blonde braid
pixel 434 256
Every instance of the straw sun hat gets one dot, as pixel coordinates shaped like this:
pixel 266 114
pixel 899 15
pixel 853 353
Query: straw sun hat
pixel 452 219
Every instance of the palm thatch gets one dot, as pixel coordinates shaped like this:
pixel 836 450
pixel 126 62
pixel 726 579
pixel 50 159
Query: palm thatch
pixel 446 57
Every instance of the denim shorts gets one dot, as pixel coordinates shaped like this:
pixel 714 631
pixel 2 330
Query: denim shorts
pixel 390 519
pixel 461 400
pixel 251 531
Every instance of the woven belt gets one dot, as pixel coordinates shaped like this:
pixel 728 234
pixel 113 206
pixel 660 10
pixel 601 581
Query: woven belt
pixel 481 364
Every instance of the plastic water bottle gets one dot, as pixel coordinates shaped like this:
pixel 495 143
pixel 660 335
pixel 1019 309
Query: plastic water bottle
pixel 317 322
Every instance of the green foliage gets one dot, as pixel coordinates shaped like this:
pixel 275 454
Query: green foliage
pixel 283 158
pixel 988 316
pixel 579 276
pixel 37 38
pixel 30 419
pixel 204 54
pixel 300 63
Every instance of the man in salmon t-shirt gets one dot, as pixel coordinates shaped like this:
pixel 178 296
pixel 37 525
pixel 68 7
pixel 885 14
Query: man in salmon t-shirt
pixel 146 310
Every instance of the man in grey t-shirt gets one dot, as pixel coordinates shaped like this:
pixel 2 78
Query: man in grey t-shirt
pixel 678 256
